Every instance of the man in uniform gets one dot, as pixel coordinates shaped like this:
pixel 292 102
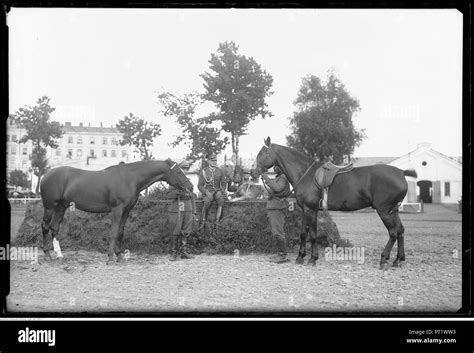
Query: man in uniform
pixel 212 185
pixel 278 190
pixel 182 212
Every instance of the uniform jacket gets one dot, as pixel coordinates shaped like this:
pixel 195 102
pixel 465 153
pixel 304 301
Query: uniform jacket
pixel 279 189
pixel 211 180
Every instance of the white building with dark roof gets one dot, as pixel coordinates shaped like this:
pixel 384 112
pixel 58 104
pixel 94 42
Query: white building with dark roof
pixel 439 176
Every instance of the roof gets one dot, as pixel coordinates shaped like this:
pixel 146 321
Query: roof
pixel 365 161
pixel 91 129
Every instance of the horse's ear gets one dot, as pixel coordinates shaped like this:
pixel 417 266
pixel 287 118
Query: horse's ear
pixel 169 162
pixel 268 141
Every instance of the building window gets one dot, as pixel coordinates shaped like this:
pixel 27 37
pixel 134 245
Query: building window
pixel 92 141
pixel 113 153
pixel 124 153
pixel 447 188
pixel 24 164
pixel 79 140
pixel 79 153
pixel 8 137
pixel 14 138
pixel 13 150
pixel 58 152
pixel 92 153
pixel 25 151
pixel 104 153
pixel 104 140
pixel 69 153
pixel 70 140
pixel 114 141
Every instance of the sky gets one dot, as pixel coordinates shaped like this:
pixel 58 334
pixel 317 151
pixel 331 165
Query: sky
pixel 98 65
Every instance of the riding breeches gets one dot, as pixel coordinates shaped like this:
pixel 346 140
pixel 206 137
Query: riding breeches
pixel 276 217
pixel 182 222
pixel 218 196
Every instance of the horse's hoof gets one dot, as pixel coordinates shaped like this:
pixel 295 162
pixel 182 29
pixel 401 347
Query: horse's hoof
pixel 120 257
pixel 299 261
pixel 311 262
pixel 384 266
pixel 397 263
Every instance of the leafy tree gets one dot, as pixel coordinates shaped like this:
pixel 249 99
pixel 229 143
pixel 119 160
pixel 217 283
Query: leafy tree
pixel 198 134
pixel 238 86
pixel 40 130
pixel 138 133
pixel 18 178
pixel 322 125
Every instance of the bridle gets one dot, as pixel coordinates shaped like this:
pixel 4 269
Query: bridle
pixel 299 180
pixel 169 173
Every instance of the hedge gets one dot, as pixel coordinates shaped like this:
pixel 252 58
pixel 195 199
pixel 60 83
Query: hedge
pixel 244 227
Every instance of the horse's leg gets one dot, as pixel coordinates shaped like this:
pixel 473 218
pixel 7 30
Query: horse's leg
pixel 313 227
pixel 114 230
pixel 303 235
pixel 45 227
pixel 389 220
pixel 58 216
pixel 400 241
pixel 123 220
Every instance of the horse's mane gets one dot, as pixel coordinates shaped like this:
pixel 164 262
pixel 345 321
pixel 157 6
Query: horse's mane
pixel 297 155
pixel 132 165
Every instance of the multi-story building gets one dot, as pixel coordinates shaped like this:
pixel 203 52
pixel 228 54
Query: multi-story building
pixel 85 147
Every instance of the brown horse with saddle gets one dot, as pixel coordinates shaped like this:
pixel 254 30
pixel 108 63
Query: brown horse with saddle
pixel 114 189
pixel 316 186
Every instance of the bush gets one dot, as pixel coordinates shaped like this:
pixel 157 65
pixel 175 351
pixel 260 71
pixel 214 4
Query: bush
pixel 244 227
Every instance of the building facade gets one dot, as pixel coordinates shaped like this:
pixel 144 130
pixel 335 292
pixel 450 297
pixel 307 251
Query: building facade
pixel 439 176
pixel 85 147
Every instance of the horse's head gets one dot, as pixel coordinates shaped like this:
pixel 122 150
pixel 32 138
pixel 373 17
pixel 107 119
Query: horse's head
pixel 177 178
pixel 266 157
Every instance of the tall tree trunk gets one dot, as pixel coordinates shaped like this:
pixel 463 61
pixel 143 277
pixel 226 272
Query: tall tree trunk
pixel 38 183
pixel 236 149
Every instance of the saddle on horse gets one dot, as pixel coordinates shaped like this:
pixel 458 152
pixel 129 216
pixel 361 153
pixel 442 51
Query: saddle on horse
pixel 324 176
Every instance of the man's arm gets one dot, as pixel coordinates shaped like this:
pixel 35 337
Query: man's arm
pixel 278 184
pixel 202 183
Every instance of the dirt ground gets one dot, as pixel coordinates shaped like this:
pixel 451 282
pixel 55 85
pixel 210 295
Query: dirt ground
pixel 429 281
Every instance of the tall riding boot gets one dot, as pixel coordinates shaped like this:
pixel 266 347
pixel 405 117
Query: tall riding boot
pixel 182 249
pixel 282 255
pixel 218 215
pixel 203 217
pixel 174 248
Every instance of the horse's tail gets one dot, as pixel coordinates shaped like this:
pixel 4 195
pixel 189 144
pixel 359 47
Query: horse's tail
pixel 410 172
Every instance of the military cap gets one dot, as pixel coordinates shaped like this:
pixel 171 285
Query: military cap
pixel 211 157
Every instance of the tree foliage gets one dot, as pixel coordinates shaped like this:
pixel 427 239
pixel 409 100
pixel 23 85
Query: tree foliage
pixel 18 178
pixel 197 133
pixel 138 133
pixel 36 120
pixel 41 131
pixel 238 86
pixel 322 124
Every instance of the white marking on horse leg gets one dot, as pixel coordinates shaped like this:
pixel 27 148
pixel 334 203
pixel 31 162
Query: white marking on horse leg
pixel 57 248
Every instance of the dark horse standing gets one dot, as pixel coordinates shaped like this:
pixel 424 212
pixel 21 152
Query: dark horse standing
pixel 114 189
pixel 382 187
